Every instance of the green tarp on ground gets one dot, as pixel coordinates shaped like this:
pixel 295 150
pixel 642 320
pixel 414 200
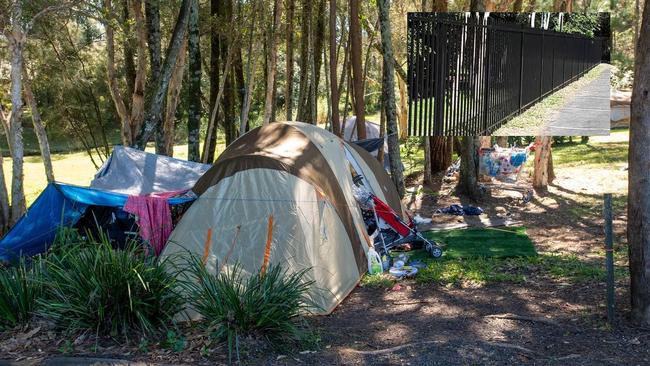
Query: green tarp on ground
pixel 498 242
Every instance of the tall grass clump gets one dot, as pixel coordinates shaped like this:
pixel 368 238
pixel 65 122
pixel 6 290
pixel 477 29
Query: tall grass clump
pixel 20 288
pixel 109 291
pixel 265 305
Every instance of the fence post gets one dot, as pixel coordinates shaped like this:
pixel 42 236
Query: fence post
pixel 609 256
pixel 541 68
pixel 487 79
pixel 521 69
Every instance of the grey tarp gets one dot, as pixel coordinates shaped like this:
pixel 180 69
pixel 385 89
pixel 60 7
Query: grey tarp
pixel 135 172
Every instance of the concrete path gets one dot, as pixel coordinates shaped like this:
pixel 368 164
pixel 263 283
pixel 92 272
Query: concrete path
pixel 587 113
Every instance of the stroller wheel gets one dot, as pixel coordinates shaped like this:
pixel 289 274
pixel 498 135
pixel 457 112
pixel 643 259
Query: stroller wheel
pixel 434 250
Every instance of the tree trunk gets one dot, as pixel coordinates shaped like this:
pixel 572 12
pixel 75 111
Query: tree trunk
pixel 638 203
pixel 541 168
pixel 173 99
pixel 306 57
pixel 517 6
pixel 194 87
pixel 154 113
pixel 357 70
pixel 138 98
pixel 334 90
pixel 270 79
pixel 564 6
pixel 318 36
pixel 208 152
pixel 17 38
pixel 4 195
pixel 439 6
pixel 468 180
pixel 216 37
pixel 289 59
pixel 388 98
pixel 152 13
pixel 440 153
pixel 403 109
pixel 250 74
pixel 38 127
pixel 116 94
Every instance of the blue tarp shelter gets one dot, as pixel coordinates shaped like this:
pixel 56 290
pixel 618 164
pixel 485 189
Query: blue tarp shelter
pixel 126 172
pixel 60 205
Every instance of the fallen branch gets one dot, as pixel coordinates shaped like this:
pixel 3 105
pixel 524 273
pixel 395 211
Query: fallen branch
pixel 400 347
pixel 391 349
pixel 525 318
pixel 412 302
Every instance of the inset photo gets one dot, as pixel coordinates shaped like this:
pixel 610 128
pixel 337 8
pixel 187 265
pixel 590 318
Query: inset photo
pixel 509 74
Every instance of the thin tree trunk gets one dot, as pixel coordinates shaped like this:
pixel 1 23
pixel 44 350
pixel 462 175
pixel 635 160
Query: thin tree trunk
pixel 334 90
pixel 17 38
pixel 173 99
pixel 216 38
pixel 194 92
pixel 154 113
pixel 38 127
pixel 638 202
pixel 388 98
pixel 403 109
pixel 4 195
pixel 289 59
pixel 517 6
pixel 270 80
pixel 208 157
pixel 357 70
pixel 138 98
pixel 306 50
pixel 250 74
pixel 116 94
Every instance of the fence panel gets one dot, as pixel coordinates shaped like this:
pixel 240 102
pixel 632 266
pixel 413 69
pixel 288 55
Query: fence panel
pixel 467 77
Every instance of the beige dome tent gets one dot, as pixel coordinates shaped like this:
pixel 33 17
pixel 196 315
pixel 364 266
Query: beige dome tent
pixel 288 187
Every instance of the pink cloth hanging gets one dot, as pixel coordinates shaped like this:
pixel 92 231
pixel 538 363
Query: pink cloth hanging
pixel 154 217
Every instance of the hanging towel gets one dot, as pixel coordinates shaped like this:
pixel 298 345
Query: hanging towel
pixel 153 216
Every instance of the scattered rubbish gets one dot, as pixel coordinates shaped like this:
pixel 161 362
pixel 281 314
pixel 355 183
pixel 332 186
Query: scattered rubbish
pixel 459 210
pixel 374 261
pixel 421 220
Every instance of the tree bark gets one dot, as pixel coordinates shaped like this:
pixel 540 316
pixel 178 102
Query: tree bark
pixel 517 6
pixel 250 73
pixel 216 38
pixel 468 180
pixel 17 38
pixel 194 90
pixel 289 59
pixel 638 203
pixel 541 169
pixel 357 70
pixel 388 98
pixel 334 90
pixel 41 135
pixel 564 6
pixel 273 45
pixel 154 113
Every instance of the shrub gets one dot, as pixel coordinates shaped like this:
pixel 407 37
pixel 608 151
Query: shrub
pixel 20 288
pixel 109 291
pixel 264 305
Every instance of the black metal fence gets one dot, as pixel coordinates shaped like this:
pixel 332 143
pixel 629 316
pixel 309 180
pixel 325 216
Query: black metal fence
pixel 467 77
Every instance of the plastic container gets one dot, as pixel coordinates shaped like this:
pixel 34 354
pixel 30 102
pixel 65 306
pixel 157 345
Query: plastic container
pixel 374 262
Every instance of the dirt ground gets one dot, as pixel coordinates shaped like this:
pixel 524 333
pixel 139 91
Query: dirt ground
pixel 539 321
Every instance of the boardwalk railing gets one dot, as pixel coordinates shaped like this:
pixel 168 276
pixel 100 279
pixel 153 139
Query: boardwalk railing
pixel 467 78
